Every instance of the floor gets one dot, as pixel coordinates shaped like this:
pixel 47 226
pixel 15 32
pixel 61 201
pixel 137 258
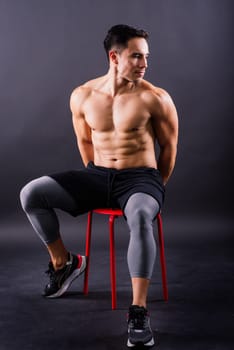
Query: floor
pixel 199 314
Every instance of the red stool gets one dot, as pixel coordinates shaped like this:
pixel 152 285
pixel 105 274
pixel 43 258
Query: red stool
pixel 113 214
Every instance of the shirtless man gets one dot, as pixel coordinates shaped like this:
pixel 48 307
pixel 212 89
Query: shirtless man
pixel 117 119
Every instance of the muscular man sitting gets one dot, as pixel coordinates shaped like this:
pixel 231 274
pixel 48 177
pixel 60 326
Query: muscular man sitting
pixel 117 119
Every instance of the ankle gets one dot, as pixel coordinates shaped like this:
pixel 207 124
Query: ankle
pixel 60 261
pixel 139 304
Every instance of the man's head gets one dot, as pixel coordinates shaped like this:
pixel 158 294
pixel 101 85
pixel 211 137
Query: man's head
pixel 127 51
pixel 119 35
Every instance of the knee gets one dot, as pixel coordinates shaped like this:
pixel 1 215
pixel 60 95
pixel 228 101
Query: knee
pixel 29 195
pixel 140 217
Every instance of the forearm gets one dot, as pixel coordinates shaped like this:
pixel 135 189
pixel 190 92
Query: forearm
pixel 166 162
pixel 86 152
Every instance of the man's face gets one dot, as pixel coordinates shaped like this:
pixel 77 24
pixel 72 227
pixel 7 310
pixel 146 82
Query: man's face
pixel 132 60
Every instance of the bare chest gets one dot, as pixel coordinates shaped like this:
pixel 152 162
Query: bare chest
pixel 103 113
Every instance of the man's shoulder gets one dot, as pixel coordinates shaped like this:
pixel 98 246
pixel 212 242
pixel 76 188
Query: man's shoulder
pixel 154 93
pixel 84 90
pixel 82 93
pixel 88 86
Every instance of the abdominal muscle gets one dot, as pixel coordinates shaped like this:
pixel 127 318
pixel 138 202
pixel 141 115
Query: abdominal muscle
pixel 124 150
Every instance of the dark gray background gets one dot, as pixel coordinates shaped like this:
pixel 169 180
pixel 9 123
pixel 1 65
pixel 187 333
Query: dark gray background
pixel 47 48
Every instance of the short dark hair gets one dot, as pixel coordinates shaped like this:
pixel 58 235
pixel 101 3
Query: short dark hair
pixel 120 34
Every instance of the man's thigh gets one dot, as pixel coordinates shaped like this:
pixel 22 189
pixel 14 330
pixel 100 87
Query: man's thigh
pixel 87 187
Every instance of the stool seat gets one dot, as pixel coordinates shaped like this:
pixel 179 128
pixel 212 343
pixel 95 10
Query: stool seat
pixel 113 214
pixel 116 212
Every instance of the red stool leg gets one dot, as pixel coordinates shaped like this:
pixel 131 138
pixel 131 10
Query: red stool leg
pixel 112 261
pixel 87 251
pixel 162 257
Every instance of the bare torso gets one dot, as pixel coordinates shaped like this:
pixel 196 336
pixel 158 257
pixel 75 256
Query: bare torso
pixel 121 127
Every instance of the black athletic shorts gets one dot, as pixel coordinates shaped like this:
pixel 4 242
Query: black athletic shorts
pixel 99 187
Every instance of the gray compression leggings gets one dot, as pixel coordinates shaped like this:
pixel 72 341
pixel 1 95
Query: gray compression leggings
pixel 40 198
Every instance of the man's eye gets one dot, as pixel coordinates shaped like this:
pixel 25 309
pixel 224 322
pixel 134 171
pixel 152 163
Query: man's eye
pixel 136 55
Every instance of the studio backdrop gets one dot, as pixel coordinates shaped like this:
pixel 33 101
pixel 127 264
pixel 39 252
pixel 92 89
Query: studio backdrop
pixel 47 48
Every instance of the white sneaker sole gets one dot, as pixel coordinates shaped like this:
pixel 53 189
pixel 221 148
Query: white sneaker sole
pixel 150 343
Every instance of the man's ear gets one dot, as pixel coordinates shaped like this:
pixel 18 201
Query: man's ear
pixel 113 56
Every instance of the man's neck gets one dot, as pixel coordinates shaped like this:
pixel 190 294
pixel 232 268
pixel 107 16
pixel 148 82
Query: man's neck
pixel 116 85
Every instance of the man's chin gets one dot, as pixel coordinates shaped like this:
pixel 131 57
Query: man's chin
pixel 135 79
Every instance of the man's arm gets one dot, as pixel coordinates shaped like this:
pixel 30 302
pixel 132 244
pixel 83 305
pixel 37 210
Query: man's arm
pixel 165 122
pixel 82 129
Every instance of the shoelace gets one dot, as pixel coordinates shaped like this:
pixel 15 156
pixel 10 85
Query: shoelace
pixel 137 319
pixel 51 272
pixel 50 269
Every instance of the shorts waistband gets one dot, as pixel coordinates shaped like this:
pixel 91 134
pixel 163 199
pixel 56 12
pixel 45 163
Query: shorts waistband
pixel 91 165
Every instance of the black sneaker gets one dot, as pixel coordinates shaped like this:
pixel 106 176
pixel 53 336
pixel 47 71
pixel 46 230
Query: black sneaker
pixel 139 331
pixel 60 280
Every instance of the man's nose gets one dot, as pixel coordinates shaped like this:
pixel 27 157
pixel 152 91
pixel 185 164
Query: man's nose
pixel 143 63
